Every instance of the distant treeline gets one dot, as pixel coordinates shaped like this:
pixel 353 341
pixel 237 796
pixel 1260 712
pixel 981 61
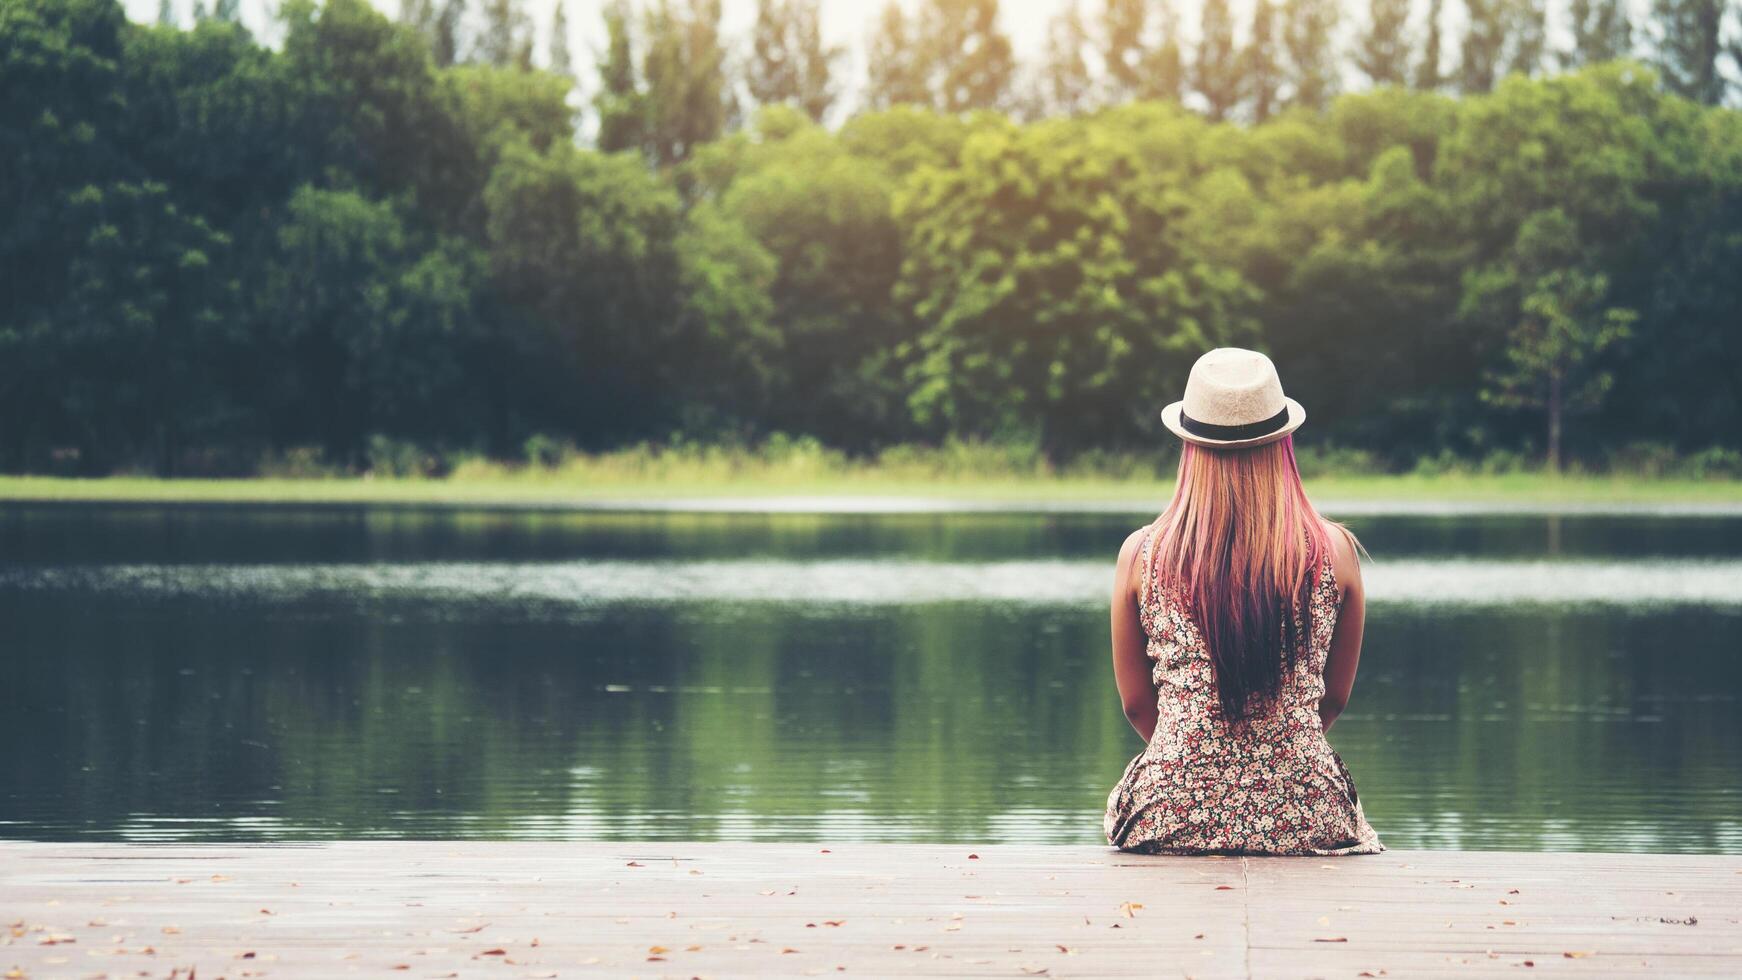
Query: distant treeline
pixel 213 250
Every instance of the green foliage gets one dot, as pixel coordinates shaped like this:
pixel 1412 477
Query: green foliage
pixel 1058 283
pixel 1308 29
pixel 1601 32
pixel 219 251
pixel 951 55
pixel 1383 51
pixel 789 62
pixel 1216 75
pixel 1561 325
pixel 1689 47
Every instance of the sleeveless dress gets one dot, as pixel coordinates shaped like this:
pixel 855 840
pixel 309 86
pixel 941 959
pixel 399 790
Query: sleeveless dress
pixel 1201 787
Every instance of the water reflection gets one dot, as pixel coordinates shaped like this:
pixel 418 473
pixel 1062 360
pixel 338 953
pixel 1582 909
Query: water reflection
pixel 442 687
pixel 554 588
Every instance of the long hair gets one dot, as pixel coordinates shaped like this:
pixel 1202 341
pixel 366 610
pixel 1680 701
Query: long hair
pixel 1242 545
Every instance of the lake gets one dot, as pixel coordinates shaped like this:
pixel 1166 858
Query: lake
pixel 1528 682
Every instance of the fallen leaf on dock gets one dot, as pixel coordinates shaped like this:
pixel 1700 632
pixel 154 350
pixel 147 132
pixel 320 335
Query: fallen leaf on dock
pixel 1581 954
pixel 1331 939
pixel 494 952
pixel 636 864
pixel 1224 888
pixel 1130 909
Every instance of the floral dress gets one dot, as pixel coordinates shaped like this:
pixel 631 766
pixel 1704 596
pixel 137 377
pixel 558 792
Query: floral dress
pixel 1199 786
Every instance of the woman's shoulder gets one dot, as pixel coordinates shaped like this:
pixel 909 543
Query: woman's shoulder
pixel 1131 555
pixel 1344 556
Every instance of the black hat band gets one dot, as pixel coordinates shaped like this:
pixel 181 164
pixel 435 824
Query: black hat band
pixel 1249 430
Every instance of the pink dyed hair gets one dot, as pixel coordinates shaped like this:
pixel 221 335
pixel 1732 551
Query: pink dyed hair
pixel 1241 544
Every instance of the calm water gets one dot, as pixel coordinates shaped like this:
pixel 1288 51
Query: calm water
pixel 210 673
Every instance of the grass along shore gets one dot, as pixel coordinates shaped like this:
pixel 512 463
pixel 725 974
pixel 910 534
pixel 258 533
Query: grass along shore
pixel 557 475
pixel 534 488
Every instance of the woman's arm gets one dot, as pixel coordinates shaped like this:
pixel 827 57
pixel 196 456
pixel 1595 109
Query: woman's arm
pixel 1345 651
pixel 1131 666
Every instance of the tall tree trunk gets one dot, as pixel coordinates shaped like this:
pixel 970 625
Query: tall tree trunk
pixel 1554 419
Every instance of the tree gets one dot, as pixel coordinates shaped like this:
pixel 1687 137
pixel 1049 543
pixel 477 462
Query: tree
pixel 1527 30
pixel 771 74
pixel 1163 66
pixel 1067 88
pixel 1216 69
pixel 684 70
pixel 1308 29
pixel 1260 67
pixel 561 62
pixel 825 214
pixel 1429 71
pixel 973 63
pixel 445 36
pixel 228 11
pixel 1562 326
pixel 1384 50
pixel 166 13
pixel 817 61
pixel 375 322
pixel 1481 59
pixel 506 40
pixel 1122 31
pixel 1601 32
pixel 898 69
pixel 789 63
pixel 1055 283
pixel 1690 39
pixel 952 57
pixel 622 106
pixel 1502 37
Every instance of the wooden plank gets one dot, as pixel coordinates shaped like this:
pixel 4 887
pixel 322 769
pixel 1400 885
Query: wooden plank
pixel 526 909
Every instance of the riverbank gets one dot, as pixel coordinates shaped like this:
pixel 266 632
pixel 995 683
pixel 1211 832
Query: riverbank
pixel 462 908
pixel 873 492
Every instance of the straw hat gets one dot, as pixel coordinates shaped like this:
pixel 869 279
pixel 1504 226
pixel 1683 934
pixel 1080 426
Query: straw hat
pixel 1233 399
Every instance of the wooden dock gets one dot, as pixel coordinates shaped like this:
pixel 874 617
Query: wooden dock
pixel 509 910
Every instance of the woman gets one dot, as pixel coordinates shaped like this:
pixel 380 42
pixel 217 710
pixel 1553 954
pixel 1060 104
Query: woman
pixel 1236 630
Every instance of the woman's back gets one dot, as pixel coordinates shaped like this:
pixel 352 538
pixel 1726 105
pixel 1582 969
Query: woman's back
pixel 1268 784
pixel 1234 643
